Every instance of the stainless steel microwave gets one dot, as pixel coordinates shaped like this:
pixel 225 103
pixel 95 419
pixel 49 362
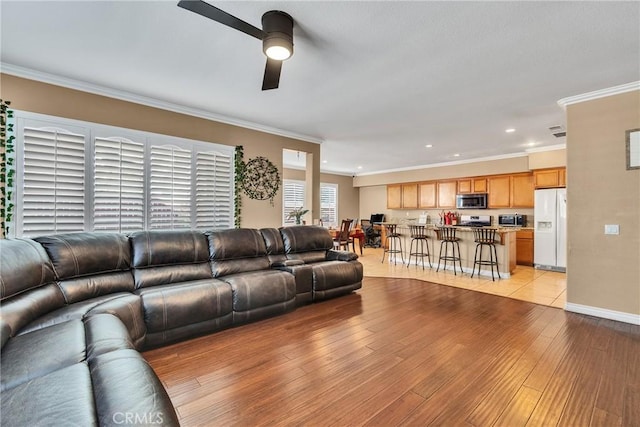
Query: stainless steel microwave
pixel 512 220
pixel 471 201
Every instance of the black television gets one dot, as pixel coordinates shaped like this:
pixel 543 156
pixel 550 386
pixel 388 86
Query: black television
pixel 377 218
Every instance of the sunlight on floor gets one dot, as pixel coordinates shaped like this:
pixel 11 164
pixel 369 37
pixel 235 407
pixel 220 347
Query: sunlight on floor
pixel 526 283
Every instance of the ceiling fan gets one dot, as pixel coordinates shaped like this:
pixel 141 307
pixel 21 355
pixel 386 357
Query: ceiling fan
pixel 276 35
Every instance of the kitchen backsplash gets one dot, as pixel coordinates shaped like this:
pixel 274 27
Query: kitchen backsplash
pixel 406 216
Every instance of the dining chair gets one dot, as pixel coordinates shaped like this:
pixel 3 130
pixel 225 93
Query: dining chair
pixel 343 239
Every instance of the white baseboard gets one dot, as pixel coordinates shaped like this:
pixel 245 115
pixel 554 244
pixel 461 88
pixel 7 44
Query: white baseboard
pixel 619 316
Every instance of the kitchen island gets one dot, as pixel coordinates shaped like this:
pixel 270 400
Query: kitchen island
pixel 505 248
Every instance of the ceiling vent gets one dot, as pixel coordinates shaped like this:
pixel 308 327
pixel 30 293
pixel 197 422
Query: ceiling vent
pixel 558 131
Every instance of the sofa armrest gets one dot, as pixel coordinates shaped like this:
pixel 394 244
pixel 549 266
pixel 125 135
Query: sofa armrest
pixel 288 263
pixel 333 255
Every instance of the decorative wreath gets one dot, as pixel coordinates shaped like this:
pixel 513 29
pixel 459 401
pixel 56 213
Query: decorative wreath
pixel 261 179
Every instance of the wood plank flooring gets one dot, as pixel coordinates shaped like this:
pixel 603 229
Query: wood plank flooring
pixel 410 353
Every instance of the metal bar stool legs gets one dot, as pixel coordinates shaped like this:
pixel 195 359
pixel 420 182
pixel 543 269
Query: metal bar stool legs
pixel 393 242
pixel 419 236
pixel 448 237
pixel 486 237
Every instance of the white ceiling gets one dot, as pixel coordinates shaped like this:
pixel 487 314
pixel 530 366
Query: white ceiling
pixel 374 81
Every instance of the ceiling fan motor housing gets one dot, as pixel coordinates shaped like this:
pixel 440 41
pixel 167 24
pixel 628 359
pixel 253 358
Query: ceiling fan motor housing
pixel 278 28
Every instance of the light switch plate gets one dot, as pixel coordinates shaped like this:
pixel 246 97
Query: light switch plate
pixel 611 229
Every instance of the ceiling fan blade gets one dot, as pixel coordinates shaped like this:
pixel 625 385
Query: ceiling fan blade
pixel 272 74
pixel 205 9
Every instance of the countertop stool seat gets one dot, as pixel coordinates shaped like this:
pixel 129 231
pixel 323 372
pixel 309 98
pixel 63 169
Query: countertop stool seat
pixel 394 241
pixel 485 237
pixel 420 238
pixel 448 239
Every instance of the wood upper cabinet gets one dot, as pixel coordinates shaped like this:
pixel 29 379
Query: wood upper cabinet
pixel 410 196
pixel 499 191
pixel 427 195
pixel 522 190
pixel 394 196
pixel 472 185
pixel 550 178
pixel 447 194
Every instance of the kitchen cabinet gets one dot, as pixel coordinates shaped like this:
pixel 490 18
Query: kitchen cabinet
pixel 499 191
pixel 447 194
pixel 472 185
pixel 394 196
pixel 410 196
pixel 524 247
pixel 550 178
pixel 522 190
pixel 427 195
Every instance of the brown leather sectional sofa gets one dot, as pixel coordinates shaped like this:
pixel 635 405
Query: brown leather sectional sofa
pixel 76 310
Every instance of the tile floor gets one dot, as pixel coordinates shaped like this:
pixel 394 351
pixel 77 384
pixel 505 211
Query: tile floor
pixel 526 283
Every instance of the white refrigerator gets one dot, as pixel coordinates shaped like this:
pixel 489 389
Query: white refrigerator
pixel 550 232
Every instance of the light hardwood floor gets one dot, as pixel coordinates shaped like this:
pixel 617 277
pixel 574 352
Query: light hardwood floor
pixel 527 283
pixel 408 352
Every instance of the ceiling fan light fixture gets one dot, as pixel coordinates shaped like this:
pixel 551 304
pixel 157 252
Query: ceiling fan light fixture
pixel 277 48
pixel 278 40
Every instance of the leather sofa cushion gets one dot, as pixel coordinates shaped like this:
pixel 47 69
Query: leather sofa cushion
pixel 171 306
pixel 309 257
pixel 69 312
pixel 24 265
pixel 236 251
pixel 274 245
pixel 125 385
pixel 164 257
pixel 157 248
pixel 63 397
pixel 24 308
pixel 105 333
pixel 41 352
pixel 128 309
pixel 305 238
pixel 334 274
pixel 260 289
pixel 83 288
pixel 80 254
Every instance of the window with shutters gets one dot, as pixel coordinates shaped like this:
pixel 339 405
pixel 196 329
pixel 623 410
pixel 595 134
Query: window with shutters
pixel 118 185
pixel 51 187
pixel 77 176
pixel 329 204
pixel 294 197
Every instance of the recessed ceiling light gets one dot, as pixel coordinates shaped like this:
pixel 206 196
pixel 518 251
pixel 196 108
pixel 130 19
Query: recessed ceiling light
pixel 510 130
pixel 324 161
pixel 359 167
pixel 456 155
pixel 531 144
pixel 429 145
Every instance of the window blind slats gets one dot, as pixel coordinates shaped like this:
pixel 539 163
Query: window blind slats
pixel 170 188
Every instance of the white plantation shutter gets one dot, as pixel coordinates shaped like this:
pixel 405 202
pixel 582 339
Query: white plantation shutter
pixel 213 191
pixel 169 188
pixel 53 191
pixel 76 176
pixel 329 204
pixel 118 201
pixel 293 198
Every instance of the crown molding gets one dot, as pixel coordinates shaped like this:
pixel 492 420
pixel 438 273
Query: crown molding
pixel 547 148
pixel 615 90
pixel 83 86
pixel 438 165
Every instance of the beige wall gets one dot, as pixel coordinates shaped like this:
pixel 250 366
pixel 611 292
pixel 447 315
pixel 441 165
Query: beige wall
pixel 603 271
pixel 348 195
pixel 37 97
pixel 548 159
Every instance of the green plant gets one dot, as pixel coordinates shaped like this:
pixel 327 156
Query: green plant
pixel 297 214
pixel 239 177
pixel 7 168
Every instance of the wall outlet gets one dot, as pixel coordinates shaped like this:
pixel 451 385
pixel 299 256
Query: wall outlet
pixel 611 229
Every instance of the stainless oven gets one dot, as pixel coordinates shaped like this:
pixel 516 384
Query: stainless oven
pixel 471 201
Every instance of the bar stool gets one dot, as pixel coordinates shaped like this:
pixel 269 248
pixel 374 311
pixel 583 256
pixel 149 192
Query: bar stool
pixel 393 241
pixel 485 237
pixel 448 238
pixel 419 236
